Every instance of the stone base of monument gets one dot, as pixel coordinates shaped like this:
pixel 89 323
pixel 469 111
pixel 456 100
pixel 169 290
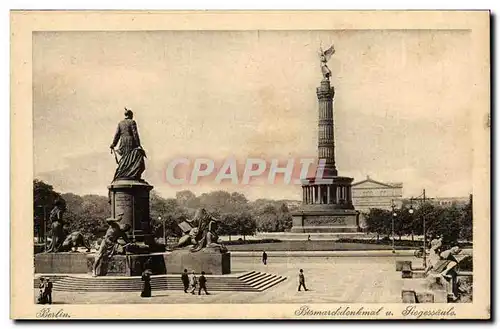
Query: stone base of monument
pixel 131 199
pixel 81 263
pixel 61 262
pixel 132 265
pixel 208 260
pixel 211 261
pixel 325 220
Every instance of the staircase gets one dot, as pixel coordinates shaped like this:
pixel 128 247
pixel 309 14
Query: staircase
pixel 260 280
pixel 247 282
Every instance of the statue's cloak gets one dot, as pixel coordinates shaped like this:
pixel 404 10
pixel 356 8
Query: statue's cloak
pixel 131 165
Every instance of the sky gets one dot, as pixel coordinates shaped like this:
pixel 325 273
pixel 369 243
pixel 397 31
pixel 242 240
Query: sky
pixel 402 104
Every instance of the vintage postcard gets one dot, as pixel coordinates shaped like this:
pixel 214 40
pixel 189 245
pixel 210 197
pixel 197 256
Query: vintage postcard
pixel 250 165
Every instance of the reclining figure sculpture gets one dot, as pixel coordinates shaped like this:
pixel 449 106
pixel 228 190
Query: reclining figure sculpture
pixel 204 235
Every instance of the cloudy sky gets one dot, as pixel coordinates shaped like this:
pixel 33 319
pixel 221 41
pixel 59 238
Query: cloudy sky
pixel 402 104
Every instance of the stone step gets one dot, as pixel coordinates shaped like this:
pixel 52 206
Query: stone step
pixel 210 288
pixel 243 276
pixel 139 288
pixel 170 280
pixel 272 283
pixel 179 287
pixel 251 276
pixel 88 286
pixel 263 277
pixel 262 281
pixel 248 282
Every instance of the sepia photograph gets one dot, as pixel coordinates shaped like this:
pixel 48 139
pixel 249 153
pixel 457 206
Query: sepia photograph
pixel 337 171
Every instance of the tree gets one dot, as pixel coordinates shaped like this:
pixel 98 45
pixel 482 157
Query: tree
pixel 86 214
pixel 217 200
pixel 403 223
pixel 246 224
pixel 267 218
pixel 224 202
pixel 187 199
pixel 446 224
pixel 284 219
pixel 166 213
pixel 44 198
pixel 378 221
pixel 465 222
pixel 228 225
pixel 271 215
pixel 439 221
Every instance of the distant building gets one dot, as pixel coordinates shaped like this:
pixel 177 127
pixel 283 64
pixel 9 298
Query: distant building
pixel 445 201
pixel 292 204
pixel 370 193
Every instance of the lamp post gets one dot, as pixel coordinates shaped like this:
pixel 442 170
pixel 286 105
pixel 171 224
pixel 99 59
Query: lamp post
pixel 394 215
pixel 421 198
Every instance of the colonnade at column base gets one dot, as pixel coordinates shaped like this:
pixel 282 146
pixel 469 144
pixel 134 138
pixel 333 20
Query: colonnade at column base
pixel 325 221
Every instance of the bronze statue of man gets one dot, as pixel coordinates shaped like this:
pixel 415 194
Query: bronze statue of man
pixel 127 134
pixel 131 164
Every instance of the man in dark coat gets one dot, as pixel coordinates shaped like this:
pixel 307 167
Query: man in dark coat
pixel 127 134
pixel 185 280
pixel 48 291
pixel 131 164
pixel 302 280
pixel 203 283
pixel 264 258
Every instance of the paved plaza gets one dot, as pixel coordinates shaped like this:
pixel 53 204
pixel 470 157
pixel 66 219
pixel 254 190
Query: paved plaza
pixel 329 280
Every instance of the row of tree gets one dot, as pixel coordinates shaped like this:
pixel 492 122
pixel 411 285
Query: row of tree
pixel 452 223
pixel 237 215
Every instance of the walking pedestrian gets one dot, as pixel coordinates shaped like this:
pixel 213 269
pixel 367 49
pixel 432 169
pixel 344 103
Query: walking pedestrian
pixel 203 284
pixel 193 282
pixel 48 291
pixel 302 280
pixel 185 280
pixel 264 258
pixel 146 288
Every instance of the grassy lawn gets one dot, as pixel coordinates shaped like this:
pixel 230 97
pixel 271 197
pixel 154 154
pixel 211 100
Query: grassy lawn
pixel 312 246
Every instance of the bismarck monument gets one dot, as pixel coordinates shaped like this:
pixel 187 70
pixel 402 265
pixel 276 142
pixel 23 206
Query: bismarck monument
pixel 128 248
pixel 327 198
pixel 128 192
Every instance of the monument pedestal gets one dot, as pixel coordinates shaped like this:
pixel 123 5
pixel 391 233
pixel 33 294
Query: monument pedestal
pixel 81 263
pixel 326 207
pixel 131 265
pixel 325 221
pixel 131 198
pixel 61 262
pixel 207 260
